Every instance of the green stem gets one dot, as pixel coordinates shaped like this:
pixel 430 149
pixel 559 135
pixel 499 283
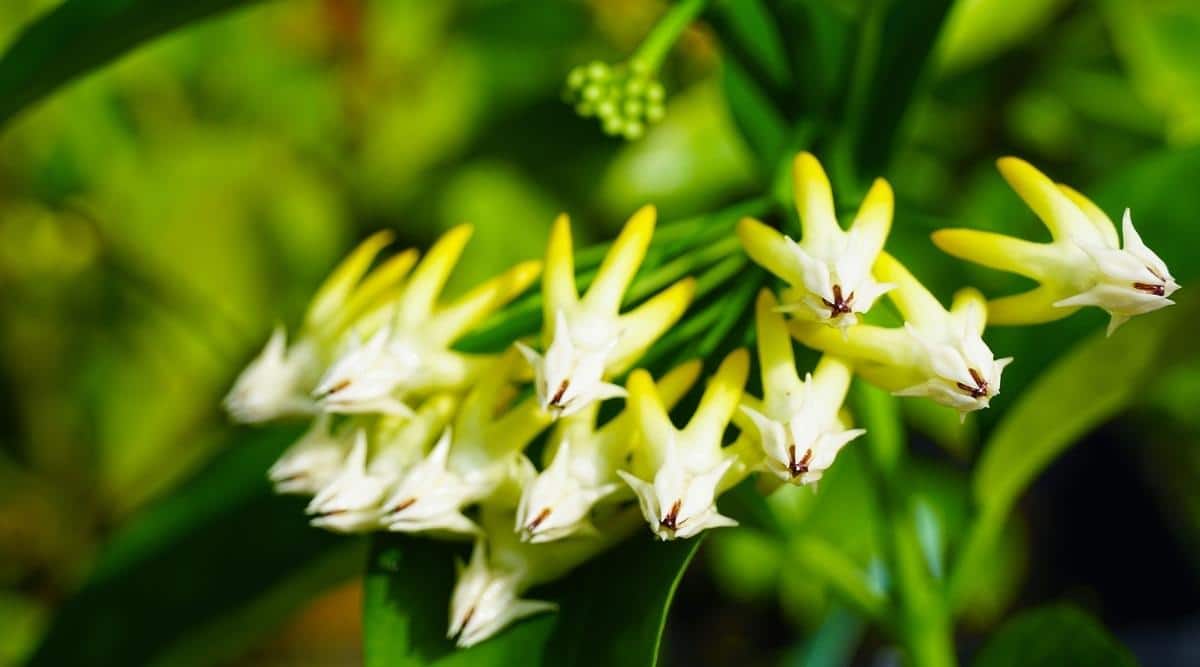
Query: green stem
pixel 981 537
pixel 666 32
pixel 924 624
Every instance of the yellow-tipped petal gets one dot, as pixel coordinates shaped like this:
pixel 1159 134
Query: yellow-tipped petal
pixel 830 381
pixel 338 286
pixel 1032 307
pixel 643 325
pixel 915 302
pixel 479 405
pixel 860 342
pixel 970 306
pixel 874 219
pixel 722 395
pixel 621 263
pixel 676 383
pixel 558 283
pixel 517 427
pixel 378 286
pixel 651 416
pixel 1104 224
pixel 473 307
pixel 1055 209
pixel 1026 258
pixel 814 200
pixel 775 355
pixel 769 249
pixel 427 281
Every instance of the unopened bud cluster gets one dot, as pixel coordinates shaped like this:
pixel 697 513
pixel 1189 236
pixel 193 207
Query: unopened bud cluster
pixel 411 435
pixel 625 98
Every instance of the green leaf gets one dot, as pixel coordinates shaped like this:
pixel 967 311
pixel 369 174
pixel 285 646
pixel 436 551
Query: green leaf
pixel 1055 636
pixel 759 121
pixel 612 610
pixel 894 48
pixel 203 572
pixel 79 36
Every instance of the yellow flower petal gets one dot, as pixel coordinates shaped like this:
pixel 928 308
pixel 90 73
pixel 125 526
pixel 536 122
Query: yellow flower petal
pixel 775 354
pixel 427 281
pixel 1026 258
pixel 770 250
pixel 621 263
pixel 915 303
pixel 643 325
pixel 558 283
pixel 1060 215
pixel 380 287
pixel 339 285
pixel 472 308
pixel 874 219
pixel 814 200
pixel 1032 307
pixel 1104 225
pixel 721 396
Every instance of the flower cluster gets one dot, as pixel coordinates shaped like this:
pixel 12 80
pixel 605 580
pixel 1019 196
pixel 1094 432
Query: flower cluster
pixel 410 434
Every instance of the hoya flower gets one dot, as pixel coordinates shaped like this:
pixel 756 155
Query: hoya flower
pixel 409 350
pixel 625 98
pixel 1084 265
pixel 353 500
pixel 487 595
pixel 829 270
pixel 478 457
pixel 583 464
pixel 313 461
pixel 678 474
pixel 939 354
pixel 588 340
pixel 797 421
pixel 277 383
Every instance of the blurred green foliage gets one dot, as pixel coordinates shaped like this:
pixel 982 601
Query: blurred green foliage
pixel 156 216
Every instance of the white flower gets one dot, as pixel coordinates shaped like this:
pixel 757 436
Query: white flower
pixel 1084 265
pixel 277 383
pixel 353 501
pixel 309 464
pixel 829 269
pixel 410 352
pixel 798 424
pixel 583 467
pixel 478 459
pixel 486 599
pixel 587 340
pixel 939 354
pixel 571 375
pixel 688 468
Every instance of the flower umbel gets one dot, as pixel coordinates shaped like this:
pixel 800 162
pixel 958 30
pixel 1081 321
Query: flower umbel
pixel 277 383
pixel 797 421
pixel 938 353
pixel 583 465
pixel 353 500
pixel 409 352
pixel 313 461
pixel 587 339
pixel 1084 265
pixel 478 458
pixel 829 269
pixel 687 468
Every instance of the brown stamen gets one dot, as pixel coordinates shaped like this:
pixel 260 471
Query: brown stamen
pixel 1149 288
pixel 558 395
pixel 537 520
pixel 839 305
pixel 981 386
pixel 336 388
pixel 403 505
pixel 671 520
pixel 797 468
pixel 466 619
